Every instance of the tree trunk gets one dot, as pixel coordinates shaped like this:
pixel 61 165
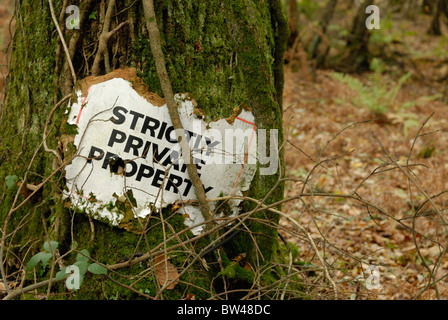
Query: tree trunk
pixel 358 56
pixel 292 22
pixel 223 53
pixel 442 8
pixel 324 21
pixel 317 38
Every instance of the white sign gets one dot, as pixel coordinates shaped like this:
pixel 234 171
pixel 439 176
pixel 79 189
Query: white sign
pixel 124 142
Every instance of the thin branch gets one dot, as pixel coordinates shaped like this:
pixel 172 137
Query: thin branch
pixel 104 38
pixel 44 138
pixel 156 48
pixel 61 36
pixel 411 179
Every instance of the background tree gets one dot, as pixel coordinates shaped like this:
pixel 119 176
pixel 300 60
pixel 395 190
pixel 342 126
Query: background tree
pixel 427 6
pixel 441 9
pixel 224 53
pixel 357 56
pixel 317 38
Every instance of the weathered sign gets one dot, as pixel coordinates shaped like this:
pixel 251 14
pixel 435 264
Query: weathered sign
pixel 127 149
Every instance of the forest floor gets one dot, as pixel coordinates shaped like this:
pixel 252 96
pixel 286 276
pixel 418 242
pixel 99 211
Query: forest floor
pixel 331 147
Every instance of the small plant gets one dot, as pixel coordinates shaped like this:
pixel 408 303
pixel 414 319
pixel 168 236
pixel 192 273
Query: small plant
pixel 43 256
pixel 81 266
pixel 76 271
pixel 376 95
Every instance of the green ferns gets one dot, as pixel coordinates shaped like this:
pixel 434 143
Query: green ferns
pixel 377 95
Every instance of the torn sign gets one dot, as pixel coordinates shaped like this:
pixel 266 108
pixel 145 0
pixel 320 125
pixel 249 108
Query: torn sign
pixel 127 149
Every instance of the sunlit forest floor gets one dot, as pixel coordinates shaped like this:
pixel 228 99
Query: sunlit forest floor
pixel 332 150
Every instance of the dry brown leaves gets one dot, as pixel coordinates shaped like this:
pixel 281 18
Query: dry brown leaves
pixel 351 235
pixel 165 272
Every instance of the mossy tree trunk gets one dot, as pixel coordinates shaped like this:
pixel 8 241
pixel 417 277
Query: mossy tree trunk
pixel 223 53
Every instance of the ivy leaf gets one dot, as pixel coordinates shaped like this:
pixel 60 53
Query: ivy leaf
pixel 10 180
pixel 33 261
pixel 83 256
pixel 74 245
pixel 45 256
pixel 61 274
pixel 92 15
pixel 38 257
pixel 82 265
pixel 95 268
pixel 49 245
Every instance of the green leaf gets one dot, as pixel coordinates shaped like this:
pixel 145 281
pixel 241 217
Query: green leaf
pixel 39 257
pixel 45 257
pixel 74 23
pixel 33 261
pixel 393 93
pixel 95 268
pixel 10 180
pixel 82 265
pixel 83 256
pixel 61 274
pixel 48 246
pixel 93 15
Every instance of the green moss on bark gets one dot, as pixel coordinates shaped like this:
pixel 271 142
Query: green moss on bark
pixel 222 53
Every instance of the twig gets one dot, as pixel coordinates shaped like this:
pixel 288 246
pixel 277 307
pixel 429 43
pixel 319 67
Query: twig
pixel 8 216
pixel 104 38
pixel 53 16
pixel 129 288
pixel 156 48
pixel 411 179
pixel 44 138
pixel 34 286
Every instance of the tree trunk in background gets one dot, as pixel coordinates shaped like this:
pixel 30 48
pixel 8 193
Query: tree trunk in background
pixel 317 38
pixel 223 53
pixel 442 8
pixel 358 56
pixel 292 21
pixel 427 6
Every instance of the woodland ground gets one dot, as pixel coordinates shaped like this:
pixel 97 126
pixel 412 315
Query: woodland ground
pixel 351 236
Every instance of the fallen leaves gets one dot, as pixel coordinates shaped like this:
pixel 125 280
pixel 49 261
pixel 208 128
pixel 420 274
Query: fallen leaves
pixel 12 285
pixel 166 273
pixel 364 235
pixel 241 260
